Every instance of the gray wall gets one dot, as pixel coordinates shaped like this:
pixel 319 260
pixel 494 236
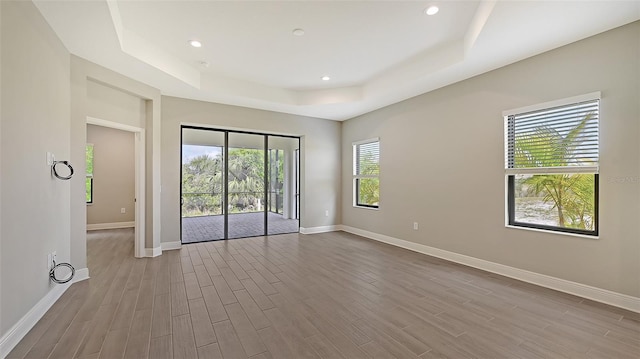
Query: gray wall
pixel 442 164
pixel 35 119
pixel 113 175
pixel 320 151
pixel 101 93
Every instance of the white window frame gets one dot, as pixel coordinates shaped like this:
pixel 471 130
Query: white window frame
pixel 357 176
pixel 549 170
pixel 90 175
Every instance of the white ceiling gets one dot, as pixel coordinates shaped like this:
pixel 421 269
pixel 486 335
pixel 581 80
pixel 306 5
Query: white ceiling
pixel 376 52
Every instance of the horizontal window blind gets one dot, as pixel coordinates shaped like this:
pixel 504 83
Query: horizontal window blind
pixel 561 139
pixel 367 159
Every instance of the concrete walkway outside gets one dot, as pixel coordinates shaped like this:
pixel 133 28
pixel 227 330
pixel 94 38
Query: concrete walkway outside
pixel 211 228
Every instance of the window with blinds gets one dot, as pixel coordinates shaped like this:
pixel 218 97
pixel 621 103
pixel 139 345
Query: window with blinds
pixel 551 164
pixel 366 172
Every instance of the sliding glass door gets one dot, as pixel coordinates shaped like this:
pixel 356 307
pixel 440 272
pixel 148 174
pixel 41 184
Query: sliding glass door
pixel 246 183
pixel 282 185
pixel 238 184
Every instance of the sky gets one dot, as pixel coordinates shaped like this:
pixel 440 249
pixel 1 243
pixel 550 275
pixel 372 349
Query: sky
pixel 190 151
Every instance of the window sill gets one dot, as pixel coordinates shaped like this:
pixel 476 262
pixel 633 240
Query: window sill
pixel 369 208
pixel 553 232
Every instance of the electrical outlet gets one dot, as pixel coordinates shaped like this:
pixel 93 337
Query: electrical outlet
pixel 123 210
pixel 326 213
pixel 51 259
pixel 415 226
pixel 50 158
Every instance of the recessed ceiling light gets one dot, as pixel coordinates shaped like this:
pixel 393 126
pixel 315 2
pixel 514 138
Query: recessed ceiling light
pixel 298 32
pixel 195 43
pixel 326 78
pixel 432 10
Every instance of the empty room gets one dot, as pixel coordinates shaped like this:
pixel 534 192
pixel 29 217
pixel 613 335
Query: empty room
pixel 319 179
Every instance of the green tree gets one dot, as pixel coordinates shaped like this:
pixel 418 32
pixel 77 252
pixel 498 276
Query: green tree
pixel 369 188
pixel 572 195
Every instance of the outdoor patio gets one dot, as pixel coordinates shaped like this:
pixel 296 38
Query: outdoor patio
pixel 211 228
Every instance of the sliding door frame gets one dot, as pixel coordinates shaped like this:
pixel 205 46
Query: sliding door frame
pixel 225 175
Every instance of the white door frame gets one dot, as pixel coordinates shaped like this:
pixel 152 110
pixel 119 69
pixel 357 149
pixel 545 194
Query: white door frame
pixel 140 183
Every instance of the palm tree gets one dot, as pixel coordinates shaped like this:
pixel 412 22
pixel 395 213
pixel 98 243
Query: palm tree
pixel 572 195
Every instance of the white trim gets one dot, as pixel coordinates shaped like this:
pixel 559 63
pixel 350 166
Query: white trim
pixel 597 294
pixel 551 170
pixel 321 229
pixel 111 124
pixel 115 225
pixel 551 231
pixel 152 252
pixel 565 101
pixel 168 246
pixel 140 180
pixel 370 140
pixel 14 335
pixel 81 274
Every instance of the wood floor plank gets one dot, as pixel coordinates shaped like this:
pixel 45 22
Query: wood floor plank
pixel 247 335
pixel 192 288
pixel 161 323
pixel 203 276
pixel 214 305
pixel 258 295
pixel 232 281
pixel 179 301
pixel 97 331
pixel 69 343
pixel 255 314
pixel 294 295
pixel 183 342
pixel 275 343
pixel 202 329
pixel 114 344
pixel 262 283
pixel 161 347
pixel 230 345
pixel 140 335
pixel 211 351
pixel 222 288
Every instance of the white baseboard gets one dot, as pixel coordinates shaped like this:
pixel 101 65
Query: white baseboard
pixel 322 229
pixel 12 337
pixel 597 294
pixel 152 252
pixel 167 246
pixel 115 225
pixel 81 274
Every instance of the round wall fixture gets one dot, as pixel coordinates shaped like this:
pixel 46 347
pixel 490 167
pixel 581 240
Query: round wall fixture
pixel 298 32
pixel 195 43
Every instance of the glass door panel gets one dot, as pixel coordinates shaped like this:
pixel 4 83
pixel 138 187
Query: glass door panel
pixel 282 185
pixel 246 185
pixel 202 185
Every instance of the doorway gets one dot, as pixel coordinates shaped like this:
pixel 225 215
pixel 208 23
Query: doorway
pixel 139 182
pixel 237 184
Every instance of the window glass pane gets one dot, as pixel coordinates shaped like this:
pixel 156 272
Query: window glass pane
pixel 89 176
pixel 368 159
pixel 89 159
pixel 89 189
pixel 566 200
pixel 368 191
pixel 557 137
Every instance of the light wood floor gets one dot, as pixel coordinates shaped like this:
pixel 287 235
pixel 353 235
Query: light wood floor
pixel 329 295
